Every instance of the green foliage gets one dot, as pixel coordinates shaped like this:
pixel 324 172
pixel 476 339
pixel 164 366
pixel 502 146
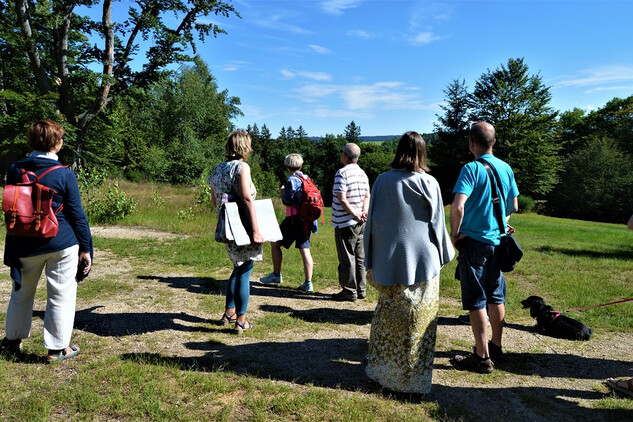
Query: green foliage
pixel 526 204
pixel 517 104
pixel 103 202
pixel 352 132
pixel 450 150
pixel 595 184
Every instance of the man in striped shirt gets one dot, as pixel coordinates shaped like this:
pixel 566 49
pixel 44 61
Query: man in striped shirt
pixel 350 201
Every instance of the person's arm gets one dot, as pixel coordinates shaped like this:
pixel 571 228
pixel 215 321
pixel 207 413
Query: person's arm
pixel 357 214
pixel 630 223
pixel 365 207
pixel 244 191
pixel 457 216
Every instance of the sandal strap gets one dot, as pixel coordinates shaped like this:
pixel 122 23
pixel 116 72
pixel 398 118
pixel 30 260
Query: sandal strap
pixel 229 317
pixel 243 325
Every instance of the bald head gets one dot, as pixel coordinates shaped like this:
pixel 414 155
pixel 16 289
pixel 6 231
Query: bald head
pixel 352 152
pixel 482 134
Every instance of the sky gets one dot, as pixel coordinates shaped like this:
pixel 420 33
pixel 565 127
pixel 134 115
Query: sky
pixel 385 64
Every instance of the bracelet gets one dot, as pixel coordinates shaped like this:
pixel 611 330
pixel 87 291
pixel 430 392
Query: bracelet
pixel 454 236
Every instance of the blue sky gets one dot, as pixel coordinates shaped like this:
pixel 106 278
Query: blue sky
pixel 384 64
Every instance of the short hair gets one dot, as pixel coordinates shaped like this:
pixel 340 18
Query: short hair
pixel 410 153
pixel 293 161
pixel 238 145
pixel 482 134
pixel 44 135
pixel 352 151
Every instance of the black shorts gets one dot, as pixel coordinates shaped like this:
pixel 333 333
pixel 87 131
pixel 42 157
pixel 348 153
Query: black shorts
pixel 293 230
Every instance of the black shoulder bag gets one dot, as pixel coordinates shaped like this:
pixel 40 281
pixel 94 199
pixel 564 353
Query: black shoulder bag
pixel 508 252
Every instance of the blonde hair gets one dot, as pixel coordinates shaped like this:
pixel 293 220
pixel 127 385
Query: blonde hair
pixel 293 161
pixel 44 135
pixel 238 145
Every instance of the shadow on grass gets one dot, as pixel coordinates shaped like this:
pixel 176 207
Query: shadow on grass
pixel 455 321
pixel 210 285
pixel 624 254
pixel 122 324
pixel 321 315
pixel 333 363
pixel 533 403
pixel 553 365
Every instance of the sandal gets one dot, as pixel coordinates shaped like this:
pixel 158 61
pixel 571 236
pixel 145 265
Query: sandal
pixel 62 355
pixel 616 384
pixel 228 319
pixel 247 325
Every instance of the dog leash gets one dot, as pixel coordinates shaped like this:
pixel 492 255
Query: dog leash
pixel 598 306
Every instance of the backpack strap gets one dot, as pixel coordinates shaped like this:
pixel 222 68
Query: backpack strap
pixel 496 203
pixel 25 174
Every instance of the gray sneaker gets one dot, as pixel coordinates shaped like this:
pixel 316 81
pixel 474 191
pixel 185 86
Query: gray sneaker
pixel 306 287
pixel 272 279
pixel 472 362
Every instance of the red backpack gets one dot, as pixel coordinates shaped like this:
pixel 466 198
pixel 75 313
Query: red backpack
pixel 28 207
pixel 311 207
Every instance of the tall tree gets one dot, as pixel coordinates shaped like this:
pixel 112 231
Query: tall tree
pixel 450 150
pixel 352 132
pixel 54 40
pixel 517 104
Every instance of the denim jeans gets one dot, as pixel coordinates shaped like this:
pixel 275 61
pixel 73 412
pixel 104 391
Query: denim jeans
pixel 238 288
pixel 481 280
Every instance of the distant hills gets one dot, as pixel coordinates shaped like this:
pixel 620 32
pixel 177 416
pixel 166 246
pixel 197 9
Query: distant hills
pixel 428 138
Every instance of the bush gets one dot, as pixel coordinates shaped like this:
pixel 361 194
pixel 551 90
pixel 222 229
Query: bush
pixel 103 202
pixel 526 204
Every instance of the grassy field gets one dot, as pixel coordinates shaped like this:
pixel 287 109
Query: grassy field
pixel 151 349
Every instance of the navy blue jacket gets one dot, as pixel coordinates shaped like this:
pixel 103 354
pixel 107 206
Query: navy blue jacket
pixel 73 224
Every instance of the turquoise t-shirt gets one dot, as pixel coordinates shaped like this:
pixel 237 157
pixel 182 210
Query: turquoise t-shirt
pixel 479 219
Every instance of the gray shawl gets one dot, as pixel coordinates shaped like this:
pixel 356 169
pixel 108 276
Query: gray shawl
pixel 405 235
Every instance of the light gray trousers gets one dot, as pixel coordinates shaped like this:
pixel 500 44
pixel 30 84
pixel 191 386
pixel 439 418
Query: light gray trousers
pixel 61 293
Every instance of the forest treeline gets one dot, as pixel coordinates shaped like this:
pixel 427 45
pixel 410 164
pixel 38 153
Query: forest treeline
pixel 162 123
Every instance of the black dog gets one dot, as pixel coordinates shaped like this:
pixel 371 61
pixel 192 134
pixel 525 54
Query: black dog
pixel 552 323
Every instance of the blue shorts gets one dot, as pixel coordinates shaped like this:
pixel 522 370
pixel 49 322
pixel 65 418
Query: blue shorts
pixel 293 230
pixel 481 280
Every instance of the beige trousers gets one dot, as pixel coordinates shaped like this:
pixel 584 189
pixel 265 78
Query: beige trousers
pixel 61 292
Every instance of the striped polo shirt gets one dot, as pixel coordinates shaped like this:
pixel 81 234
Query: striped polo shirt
pixel 351 181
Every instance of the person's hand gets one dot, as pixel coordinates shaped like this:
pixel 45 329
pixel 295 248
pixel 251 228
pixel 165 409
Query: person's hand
pixel 258 239
pixel 85 257
pixel 281 191
pixel 509 229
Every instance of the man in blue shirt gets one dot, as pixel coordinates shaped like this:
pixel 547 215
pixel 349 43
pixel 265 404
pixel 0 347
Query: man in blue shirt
pixel 475 232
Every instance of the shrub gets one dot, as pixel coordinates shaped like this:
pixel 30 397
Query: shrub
pixel 103 202
pixel 526 204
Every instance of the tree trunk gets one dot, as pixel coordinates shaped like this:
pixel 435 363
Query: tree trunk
pixel 22 10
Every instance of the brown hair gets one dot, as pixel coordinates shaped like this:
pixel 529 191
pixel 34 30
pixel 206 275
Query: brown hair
pixel 411 153
pixel 44 135
pixel 238 145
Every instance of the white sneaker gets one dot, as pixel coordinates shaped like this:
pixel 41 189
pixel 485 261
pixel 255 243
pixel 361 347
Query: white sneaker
pixel 306 287
pixel 272 279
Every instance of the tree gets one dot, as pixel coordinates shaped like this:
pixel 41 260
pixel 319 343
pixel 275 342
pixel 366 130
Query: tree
pixel 595 184
pixel 54 41
pixel 517 104
pixel 450 150
pixel 352 132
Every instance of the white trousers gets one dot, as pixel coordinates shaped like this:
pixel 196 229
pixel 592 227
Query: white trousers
pixel 61 293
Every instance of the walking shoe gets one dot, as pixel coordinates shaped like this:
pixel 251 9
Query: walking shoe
pixel 306 287
pixel 472 362
pixel 465 319
pixel 343 296
pixel 495 352
pixel 272 279
pixel 361 295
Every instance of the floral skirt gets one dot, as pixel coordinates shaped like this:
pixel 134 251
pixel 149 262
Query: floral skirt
pixel 402 338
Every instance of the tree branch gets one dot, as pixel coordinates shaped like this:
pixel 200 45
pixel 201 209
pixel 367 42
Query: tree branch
pixel 39 72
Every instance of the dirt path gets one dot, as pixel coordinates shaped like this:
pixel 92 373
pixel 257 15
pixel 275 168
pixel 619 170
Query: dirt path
pixel 169 317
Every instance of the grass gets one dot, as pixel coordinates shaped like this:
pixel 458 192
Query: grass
pixel 569 263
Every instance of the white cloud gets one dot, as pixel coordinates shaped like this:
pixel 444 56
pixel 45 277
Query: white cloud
pixel 337 7
pixel 598 76
pixel 381 95
pixel 360 33
pixel 319 49
pixel 287 74
pixel 317 76
pixel 423 38
pixel 276 22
